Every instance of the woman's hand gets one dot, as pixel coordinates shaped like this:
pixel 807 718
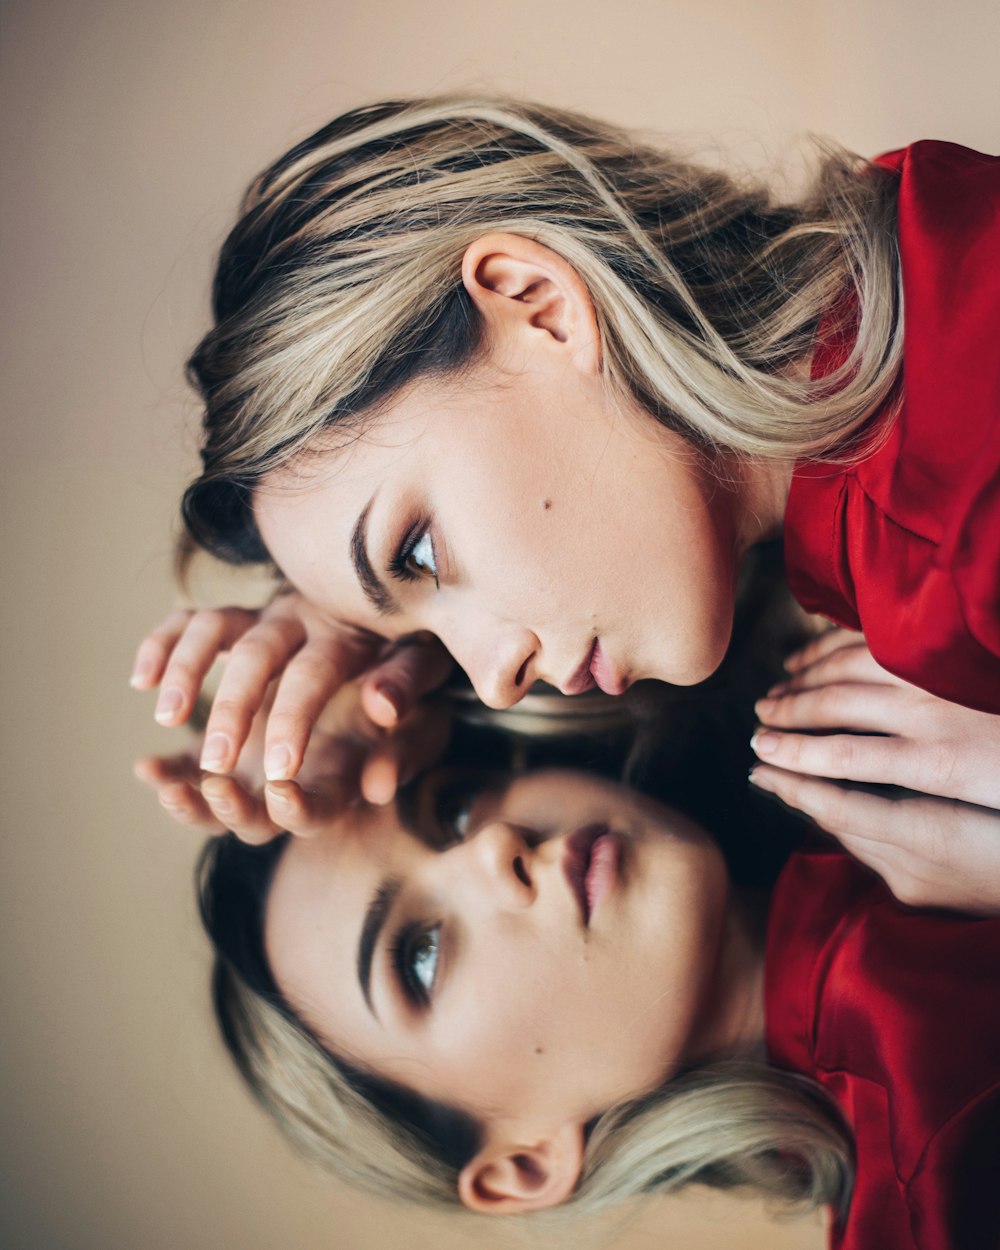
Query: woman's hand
pixel 347 755
pixel 310 657
pixel 939 844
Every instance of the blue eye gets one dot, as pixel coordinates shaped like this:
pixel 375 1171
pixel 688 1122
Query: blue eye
pixel 415 957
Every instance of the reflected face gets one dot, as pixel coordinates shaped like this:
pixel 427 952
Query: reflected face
pixel 538 531
pixel 557 961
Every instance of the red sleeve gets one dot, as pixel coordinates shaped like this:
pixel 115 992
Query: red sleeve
pixel 896 1013
pixel 905 545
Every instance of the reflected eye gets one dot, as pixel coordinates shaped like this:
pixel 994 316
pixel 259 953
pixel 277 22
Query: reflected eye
pixel 415 957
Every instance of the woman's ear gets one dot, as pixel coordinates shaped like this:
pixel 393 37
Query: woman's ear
pixel 505 1179
pixel 530 296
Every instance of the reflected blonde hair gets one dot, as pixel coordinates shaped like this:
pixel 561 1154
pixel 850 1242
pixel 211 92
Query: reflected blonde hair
pixel 341 283
pixel 729 1124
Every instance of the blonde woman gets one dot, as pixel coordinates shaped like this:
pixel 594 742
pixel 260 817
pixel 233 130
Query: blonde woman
pixel 540 993
pixel 511 378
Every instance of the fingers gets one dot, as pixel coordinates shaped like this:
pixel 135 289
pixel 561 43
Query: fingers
pixel 399 757
pixel 155 649
pixel 308 683
pixel 846 757
pixel 931 852
pixel 307 812
pixel 244 814
pixel 255 659
pixel 396 684
pixel 178 655
pixel 837 809
pixel 856 706
pixel 175 780
pixel 851 662
pixel 828 642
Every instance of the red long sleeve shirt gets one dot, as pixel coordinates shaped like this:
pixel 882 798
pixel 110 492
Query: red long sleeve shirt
pixel 905 544
pixel 896 1013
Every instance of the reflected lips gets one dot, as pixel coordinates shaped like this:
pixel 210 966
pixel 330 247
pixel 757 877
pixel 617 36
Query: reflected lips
pixel 591 866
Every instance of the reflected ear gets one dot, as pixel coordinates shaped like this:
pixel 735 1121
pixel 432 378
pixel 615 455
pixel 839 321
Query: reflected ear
pixel 505 1179
pixel 530 296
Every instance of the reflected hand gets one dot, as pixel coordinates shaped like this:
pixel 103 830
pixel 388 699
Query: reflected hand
pixel 310 657
pixel 937 847
pixel 348 757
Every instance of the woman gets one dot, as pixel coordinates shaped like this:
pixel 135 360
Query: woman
pixel 542 990
pixel 505 375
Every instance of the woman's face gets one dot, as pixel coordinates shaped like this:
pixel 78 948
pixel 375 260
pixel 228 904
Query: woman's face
pixel 538 531
pixel 558 960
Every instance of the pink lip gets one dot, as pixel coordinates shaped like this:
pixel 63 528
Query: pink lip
pixel 603 673
pixel 591 866
pixel 583 679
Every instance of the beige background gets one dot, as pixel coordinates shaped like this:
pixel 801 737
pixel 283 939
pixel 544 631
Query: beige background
pixel 129 126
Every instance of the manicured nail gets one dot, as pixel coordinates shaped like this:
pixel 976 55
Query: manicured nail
pixel 169 704
pixel 764 742
pixel 277 796
pixel 140 675
pixel 390 697
pixel 278 764
pixel 215 752
pixel 760 779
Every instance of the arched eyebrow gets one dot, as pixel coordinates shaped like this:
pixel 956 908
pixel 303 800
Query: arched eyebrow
pixel 375 590
pixel 374 922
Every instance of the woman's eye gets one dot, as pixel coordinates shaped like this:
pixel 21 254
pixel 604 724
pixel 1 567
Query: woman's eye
pixel 421 558
pixel 424 957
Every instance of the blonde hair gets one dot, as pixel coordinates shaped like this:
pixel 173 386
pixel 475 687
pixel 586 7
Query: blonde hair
pixel 729 1124
pixel 341 283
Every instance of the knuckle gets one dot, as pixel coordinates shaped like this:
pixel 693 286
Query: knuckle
pixel 229 711
pixel 842 754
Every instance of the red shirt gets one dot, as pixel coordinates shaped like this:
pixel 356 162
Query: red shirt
pixel 905 545
pixel 896 1013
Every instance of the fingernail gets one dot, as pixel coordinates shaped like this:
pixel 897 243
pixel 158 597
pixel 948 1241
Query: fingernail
pixel 760 779
pixel 168 704
pixel 778 688
pixel 762 707
pixel 140 675
pixel 764 742
pixel 390 696
pixel 278 763
pixel 277 796
pixel 215 752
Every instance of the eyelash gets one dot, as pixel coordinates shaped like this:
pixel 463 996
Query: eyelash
pixel 399 565
pixel 402 948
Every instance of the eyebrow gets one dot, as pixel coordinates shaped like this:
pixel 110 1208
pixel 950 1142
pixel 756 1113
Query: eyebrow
pixel 374 589
pixel 374 922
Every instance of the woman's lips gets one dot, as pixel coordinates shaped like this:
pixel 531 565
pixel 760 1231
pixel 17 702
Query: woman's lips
pixel 583 678
pixel 603 672
pixel 591 866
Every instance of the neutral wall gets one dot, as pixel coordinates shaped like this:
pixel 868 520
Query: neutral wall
pixel 129 127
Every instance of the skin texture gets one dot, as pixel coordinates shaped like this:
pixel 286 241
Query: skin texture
pixel 555 514
pixel 841 718
pixel 536 1022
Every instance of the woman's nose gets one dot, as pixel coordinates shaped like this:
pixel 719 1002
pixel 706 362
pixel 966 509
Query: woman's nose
pixel 506 863
pixel 500 665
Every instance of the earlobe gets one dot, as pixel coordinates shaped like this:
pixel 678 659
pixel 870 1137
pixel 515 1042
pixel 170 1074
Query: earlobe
pixel 528 294
pixel 505 1179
